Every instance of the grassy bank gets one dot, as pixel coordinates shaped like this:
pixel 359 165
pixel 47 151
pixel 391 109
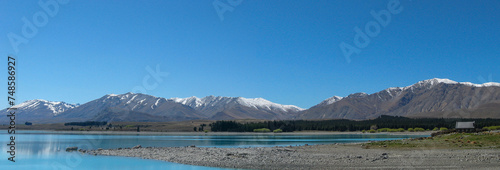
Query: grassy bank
pixel 483 140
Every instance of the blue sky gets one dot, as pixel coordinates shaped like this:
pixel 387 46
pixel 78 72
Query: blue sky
pixel 285 51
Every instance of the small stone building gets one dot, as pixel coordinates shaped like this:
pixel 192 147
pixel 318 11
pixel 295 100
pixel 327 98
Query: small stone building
pixel 465 126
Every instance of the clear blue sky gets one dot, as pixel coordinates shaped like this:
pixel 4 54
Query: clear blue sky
pixel 286 51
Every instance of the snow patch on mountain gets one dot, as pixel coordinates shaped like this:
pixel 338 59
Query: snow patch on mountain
pixel 430 83
pixel 193 101
pixel 330 100
pixel 212 101
pixel 263 103
pixel 489 84
pixel 435 81
pixel 357 95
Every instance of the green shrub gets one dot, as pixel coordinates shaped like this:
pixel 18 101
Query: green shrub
pixel 382 129
pixel 392 130
pixel 436 128
pixel 419 129
pixel 410 130
pixel 372 131
pixel 206 131
pixel 401 130
pixel 443 129
pixel 277 131
pixel 262 130
pixel 364 131
pixel 492 128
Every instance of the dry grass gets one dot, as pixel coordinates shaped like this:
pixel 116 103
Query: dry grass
pixel 483 140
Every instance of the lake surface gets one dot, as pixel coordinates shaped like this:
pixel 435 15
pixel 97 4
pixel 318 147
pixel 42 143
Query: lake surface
pixel 46 149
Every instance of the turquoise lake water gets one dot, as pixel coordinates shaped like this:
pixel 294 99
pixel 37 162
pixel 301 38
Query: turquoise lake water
pixel 46 149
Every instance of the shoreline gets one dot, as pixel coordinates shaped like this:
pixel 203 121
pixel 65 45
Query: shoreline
pixel 428 133
pixel 326 156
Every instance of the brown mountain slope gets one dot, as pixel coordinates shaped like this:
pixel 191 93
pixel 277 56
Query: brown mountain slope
pixel 490 110
pixel 428 98
pixel 243 112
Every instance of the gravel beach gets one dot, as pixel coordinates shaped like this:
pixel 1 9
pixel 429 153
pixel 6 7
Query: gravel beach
pixel 330 156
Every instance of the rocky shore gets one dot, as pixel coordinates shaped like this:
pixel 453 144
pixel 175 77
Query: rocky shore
pixel 331 156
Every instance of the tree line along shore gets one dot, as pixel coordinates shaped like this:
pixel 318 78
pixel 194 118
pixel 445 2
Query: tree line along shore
pixel 381 124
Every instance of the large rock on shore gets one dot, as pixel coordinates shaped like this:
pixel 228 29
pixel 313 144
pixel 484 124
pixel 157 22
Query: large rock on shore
pixel 71 149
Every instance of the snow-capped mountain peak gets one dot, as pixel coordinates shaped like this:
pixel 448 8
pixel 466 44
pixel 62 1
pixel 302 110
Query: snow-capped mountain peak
pixel 431 83
pixel 192 101
pixel 263 103
pixel 54 107
pixel 219 101
pixel 439 80
pixel 357 95
pixel 489 84
pixel 396 91
pixel 330 100
pixel 133 100
pixel 435 81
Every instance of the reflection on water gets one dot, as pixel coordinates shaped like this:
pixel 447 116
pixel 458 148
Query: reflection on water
pixel 46 150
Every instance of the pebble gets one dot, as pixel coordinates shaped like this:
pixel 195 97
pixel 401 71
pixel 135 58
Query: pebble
pixel 313 157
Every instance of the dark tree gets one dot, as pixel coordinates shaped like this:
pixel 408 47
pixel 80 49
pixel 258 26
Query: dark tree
pixel 348 125
pixel 87 123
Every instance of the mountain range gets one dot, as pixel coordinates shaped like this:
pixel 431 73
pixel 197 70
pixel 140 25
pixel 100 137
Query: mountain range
pixel 133 107
pixel 433 98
